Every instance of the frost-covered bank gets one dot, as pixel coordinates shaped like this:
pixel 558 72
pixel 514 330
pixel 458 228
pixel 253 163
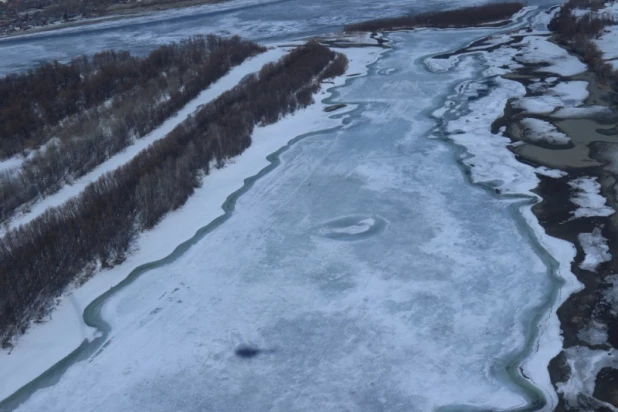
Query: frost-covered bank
pixel 547 128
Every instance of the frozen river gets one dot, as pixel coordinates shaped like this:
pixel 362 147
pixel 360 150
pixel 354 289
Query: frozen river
pixel 260 20
pixel 368 269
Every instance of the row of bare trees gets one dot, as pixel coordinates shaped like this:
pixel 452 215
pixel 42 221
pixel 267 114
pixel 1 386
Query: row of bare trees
pixel 33 103
pixel 38 260
pixel 578 32
pixel 463 17
pixel 88 138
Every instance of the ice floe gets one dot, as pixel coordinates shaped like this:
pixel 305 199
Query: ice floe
pixel 587 196
pixel 537 49
pixel 566 94
pixel 596 249
pixel 537 130
pixel 584 365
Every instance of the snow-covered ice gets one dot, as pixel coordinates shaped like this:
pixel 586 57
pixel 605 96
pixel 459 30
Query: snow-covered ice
pixel 596 249
pixel 587 195
pixel 566 94
pixel 491 163
pixel 538 49
pixel 537 130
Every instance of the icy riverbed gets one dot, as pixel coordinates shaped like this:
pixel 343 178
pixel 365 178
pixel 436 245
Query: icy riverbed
pixel 261 20
pixel 374 275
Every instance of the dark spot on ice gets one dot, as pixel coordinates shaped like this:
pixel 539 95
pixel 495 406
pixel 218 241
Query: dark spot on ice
pixel 247 351
pixel 155 311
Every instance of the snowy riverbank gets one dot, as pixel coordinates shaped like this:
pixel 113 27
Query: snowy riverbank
pixel 549 117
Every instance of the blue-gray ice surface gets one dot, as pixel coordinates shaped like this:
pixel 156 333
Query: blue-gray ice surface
pixel 373 276
pixel 261 20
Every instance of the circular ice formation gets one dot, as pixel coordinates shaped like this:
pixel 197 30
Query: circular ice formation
pixel 386 71
pixel 352 227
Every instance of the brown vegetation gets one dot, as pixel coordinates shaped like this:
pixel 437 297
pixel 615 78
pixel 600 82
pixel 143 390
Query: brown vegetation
pixel 20 15
pixel 39 260
pixel 159 85
pixel 33 102
pixel 577 33
pixel 464 17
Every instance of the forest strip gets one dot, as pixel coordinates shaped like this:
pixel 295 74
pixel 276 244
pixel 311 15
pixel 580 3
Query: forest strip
pixel 91 108
pixel 18 16
pixel 36 104
pixel 74 188
pixel 463 17
pixel 576 25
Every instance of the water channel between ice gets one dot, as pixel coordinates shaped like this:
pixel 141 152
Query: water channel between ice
pixel 369 269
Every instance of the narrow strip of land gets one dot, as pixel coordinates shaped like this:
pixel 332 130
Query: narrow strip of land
pixel 67 192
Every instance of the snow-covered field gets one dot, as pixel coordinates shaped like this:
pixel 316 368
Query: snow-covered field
pixel 596 249
pixel 556 60
pixel 567 94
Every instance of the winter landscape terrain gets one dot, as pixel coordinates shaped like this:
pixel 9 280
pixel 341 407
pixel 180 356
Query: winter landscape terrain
pixel 437 231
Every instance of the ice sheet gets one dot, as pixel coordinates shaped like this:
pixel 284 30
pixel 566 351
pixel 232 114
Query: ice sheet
pixel 587 195
pixel 538 130
pixel 596 249
pixel 537 49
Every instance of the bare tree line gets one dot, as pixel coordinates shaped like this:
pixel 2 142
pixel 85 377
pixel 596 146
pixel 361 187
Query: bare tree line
pixel 85 140
pixel 38 260
pixel 463 17
pixel 577 33
pixel 34 102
